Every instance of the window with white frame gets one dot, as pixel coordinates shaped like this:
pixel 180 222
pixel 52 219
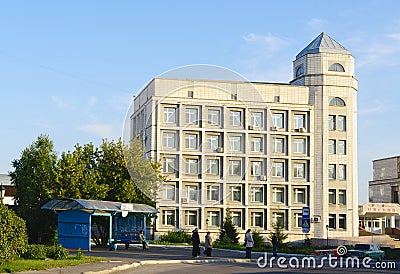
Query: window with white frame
pixel 213 217
pixel 190 141
pixel 192 166
pixel 278 218
pixel 279 145
pixel 235 143
pixel 342 197
pixel 213 141
pixel 192 116
pixel 331 122
pixel 235 167
pixel 212 193
pixel 236 193
pixel 331 146
pixel 192 193
pixel 341 125
pixel 256 219
pixel 256 193
pixel 169 165
pixel 255 168
pixel 256 144
pixel 332 171
pixel 342 221
pixel 169 217
pixel 277 120
pixel 168 140
pixel 299 145
pixel 299 170
pixel 332 221
pixel 237 218
pixel 299 195
pixel 235 118
pixel 213 166
pixel 299 121
pixel 278 194
pixel 214 117
pixel 298 220
pixel 169 192
pixel 277 169
pixel 342 172
pixel 342 147
pixel 332 196
pixel 169 115
pixel 256 119
pixel 191 217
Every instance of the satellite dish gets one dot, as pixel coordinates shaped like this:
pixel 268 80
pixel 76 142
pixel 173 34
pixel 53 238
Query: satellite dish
pixel 124 213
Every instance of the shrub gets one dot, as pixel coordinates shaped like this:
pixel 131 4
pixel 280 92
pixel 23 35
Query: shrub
pixel 228 233
pixel 57 252
pixel 35 252
pixel 13 239
pixel 79 254
pixel 179 236
pixel 258 239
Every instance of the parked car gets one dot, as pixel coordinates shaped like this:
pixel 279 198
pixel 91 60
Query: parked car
pixel 366 250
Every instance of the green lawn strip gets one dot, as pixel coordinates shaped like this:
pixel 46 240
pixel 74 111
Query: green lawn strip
pixel 25 265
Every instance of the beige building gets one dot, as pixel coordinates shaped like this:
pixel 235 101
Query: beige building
pixel 263 150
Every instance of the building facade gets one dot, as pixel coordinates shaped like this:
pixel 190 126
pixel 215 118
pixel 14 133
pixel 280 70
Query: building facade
pixel 261 150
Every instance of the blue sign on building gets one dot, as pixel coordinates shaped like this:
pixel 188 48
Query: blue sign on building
pixel 305 219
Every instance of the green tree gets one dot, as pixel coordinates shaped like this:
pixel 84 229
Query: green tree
pixel 278 229
pixel 228 233
pixel 34 176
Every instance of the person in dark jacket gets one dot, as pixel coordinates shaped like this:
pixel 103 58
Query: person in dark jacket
pixel 143 240
pixel 275 245
pixel 195 243
pixel 208 244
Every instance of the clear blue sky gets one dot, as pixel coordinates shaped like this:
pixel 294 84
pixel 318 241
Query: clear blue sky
pixel 70 68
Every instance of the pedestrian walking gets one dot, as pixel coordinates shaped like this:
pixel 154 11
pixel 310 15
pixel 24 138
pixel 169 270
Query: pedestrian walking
pixel 143 240
pixel 208 244
pixel 196 243
pixel 275 244
pixel 248 239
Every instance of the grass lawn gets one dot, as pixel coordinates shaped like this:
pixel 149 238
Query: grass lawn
pixel 25 265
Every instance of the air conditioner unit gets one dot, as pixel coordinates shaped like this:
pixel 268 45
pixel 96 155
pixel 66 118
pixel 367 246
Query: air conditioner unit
pixel 184 200
pixel 251 127
pixel 262 178
pixel 220 150
pixel 302 130
pixel 316 219
pixel 274 128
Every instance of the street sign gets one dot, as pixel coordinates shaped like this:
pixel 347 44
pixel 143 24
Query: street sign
pixel 305 219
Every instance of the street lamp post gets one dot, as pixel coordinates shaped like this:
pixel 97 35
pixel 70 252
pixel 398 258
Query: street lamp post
pixel 2 193
pixel 327 235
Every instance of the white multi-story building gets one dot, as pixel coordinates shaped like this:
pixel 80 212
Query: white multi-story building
pixel 263 150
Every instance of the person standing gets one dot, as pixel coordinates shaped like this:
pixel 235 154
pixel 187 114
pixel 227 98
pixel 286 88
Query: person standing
pixel 248 238
pixel 196 243
pixel 142 240
pixel 275 245
pixel 208 244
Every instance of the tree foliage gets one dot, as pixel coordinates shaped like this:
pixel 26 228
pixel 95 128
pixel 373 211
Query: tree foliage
pixel 228 233
pixel 277 229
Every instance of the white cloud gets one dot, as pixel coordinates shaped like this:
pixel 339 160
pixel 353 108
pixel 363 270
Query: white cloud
pixel 92 101
pixel 101 130
pixel 59 102
pixel 316 22
pixel 395 36
pixel 378 107
pixel 269 43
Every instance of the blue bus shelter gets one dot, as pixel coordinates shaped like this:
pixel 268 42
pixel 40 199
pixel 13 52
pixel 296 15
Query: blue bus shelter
pixel 75 220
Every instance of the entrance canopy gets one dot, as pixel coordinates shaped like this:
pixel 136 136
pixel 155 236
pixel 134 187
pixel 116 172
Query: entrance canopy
pixel 378 209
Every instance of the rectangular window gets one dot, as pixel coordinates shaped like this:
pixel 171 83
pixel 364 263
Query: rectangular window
pixel 191 141
pixel 299 121
pixel 332 196
pixel 169 165
pixel 190 93
pixel 342 172
pixel 257 219
pixel 213 117
pixel 342 197
pixel 332 171
pixel 256 119
pixel 341 123
pixel 300 195
pixel 192 166
pixel 237 218
pixel 277 120
pixel 342 221
pixel 192 116
pixel 331 122
pixel 299 145
pixel 299 170
pixel 279 145
pixel 213 166
pixel 256 144
pixel 298 217
pixel 168 140
pixel 236 193
pixel 191 217
pixel 277 169
pixel 213 141
pixel 235 143
pixel 342 147
pixel 170 115
pixel 169 191
pixel 332 146
pixel 212 193
pixel 256 168
pixel 213 217
pixel 235 167
pixel 332 221
pixel 256 194
pixel 169 217
pixel 192 193
pixel 236 118
pixel 278 194
pixel 278 218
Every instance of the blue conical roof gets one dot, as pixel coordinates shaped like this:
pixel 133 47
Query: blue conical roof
pixel 323 43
